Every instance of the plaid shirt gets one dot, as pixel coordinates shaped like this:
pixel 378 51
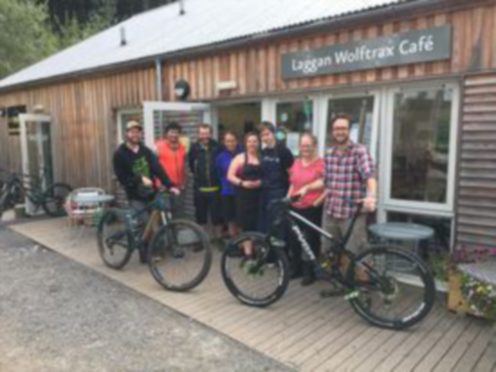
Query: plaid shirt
pixel 346 175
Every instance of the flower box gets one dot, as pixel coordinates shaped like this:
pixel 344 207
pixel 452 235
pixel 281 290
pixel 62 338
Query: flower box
pixel 472 290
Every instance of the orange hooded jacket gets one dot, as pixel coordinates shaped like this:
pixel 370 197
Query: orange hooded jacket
pixel 173 162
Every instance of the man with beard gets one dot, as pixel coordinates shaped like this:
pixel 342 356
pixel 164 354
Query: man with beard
pixel 349 180
pixel 136 166
pixel 201 158
pixel 171 154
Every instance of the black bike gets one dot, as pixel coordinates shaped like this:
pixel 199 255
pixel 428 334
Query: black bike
pixel 389 287
pixel 177 251
pixel 42 194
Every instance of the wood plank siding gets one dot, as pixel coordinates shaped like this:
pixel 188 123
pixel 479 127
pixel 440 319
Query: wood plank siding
pixel 256 68
pixel 84 122
pixel 476 201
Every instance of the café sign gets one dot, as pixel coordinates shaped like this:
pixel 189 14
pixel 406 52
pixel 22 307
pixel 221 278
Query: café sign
pixel 427 45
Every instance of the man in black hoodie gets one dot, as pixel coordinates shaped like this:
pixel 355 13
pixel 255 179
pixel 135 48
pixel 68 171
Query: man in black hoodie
pixel 136 167
pixel 201 159
pixel 276 159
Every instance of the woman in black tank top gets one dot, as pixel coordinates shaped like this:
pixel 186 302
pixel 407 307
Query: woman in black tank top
pixel 245 173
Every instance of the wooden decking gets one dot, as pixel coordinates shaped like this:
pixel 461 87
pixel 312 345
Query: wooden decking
pixel 302 330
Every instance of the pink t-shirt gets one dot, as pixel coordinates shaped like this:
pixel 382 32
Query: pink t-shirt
pixel 301 175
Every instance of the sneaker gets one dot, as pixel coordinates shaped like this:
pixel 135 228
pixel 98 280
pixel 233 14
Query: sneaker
pixel 307 280
pixel 295 274
pixel 177 251
pixel 198 247
pixel 235 253
pixel 336 290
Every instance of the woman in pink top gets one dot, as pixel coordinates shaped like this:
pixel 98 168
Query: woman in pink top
pixel 305 170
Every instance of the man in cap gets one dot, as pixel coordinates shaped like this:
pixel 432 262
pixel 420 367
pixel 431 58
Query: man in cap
pixel 136 166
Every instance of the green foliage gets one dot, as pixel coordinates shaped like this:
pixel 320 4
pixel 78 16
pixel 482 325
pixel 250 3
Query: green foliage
pixel 25 36
pixel 73 30
pixel 34 29
pixel 439 264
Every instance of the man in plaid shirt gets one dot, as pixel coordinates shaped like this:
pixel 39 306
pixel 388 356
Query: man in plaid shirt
pixel 349 179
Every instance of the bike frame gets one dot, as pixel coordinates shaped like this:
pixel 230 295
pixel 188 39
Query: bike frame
pixel 159 215
pixel 338 247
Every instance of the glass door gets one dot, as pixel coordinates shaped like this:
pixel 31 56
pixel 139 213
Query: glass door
pixel 158 114
pixel 188 115
pixel 36 150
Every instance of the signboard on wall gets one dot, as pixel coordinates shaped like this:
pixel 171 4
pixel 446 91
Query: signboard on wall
pixel 13 119
pixel 427 45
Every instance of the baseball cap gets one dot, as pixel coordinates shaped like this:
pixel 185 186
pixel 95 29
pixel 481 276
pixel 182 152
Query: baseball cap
pixel 133 124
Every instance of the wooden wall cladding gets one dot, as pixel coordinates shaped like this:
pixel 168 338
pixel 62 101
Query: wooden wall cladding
pixel 84 123
pixel 85 108
pixel 476 199
pixel 256 69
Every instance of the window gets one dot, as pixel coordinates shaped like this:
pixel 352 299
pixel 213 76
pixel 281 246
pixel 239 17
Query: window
pixel 294 117
pixel 421 145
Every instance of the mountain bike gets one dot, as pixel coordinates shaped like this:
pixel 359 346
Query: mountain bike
pixel 42 194
pixel 177 251
pixel 387 286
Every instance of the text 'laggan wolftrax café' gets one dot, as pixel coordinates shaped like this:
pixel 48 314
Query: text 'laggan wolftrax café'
pixel 418 79
pixel 411 47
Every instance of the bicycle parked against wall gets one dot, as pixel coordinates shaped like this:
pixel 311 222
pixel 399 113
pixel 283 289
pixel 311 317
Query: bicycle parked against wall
pixel 38 190
pixel 387 286
pixel 177 251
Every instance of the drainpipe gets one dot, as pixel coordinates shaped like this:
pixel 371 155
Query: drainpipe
pixel 158 79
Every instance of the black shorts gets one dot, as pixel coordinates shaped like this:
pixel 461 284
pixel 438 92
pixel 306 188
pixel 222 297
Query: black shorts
pixel 208 203
pixel 229 208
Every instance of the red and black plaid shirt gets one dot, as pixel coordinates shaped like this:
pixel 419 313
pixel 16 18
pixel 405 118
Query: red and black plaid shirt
pixel 346 175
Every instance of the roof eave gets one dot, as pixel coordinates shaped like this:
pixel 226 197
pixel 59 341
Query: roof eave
pixel 380 13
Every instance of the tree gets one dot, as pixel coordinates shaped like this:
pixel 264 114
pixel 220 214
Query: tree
pixel 73 30
pixel 34 29
pixel 25 37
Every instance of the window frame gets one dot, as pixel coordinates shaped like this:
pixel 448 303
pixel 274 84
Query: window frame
pixel 412 206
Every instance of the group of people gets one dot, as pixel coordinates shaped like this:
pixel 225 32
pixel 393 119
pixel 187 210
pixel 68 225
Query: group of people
pixel 235 183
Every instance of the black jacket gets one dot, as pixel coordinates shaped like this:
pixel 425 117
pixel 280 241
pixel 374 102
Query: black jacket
pixel 201 161
pixel 129 167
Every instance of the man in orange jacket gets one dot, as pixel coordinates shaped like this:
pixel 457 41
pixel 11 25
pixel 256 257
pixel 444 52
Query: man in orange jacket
pixel 172 157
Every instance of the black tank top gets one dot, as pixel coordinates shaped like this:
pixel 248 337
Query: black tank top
pixel 250 172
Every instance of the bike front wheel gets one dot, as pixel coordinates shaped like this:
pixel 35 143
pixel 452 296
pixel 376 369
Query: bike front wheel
pixel 54 199
pixel 179 255
pixel 392 288
pixel 114 239
pixel 254 271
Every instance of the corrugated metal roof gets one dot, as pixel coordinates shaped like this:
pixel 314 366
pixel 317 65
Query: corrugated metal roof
pixel 163 30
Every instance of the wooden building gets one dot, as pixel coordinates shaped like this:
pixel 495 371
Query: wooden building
pixel 418 78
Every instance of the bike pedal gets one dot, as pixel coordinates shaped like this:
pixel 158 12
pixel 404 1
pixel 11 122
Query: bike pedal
pixel 351 295
pixel 275 242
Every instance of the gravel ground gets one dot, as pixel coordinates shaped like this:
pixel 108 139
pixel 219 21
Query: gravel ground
pixel 56 315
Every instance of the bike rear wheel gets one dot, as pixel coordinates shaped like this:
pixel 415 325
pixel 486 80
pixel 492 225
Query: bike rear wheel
pixel 179 255
pixel 392 288
pixel 114 239
pixel 54 198
pixel 259 279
